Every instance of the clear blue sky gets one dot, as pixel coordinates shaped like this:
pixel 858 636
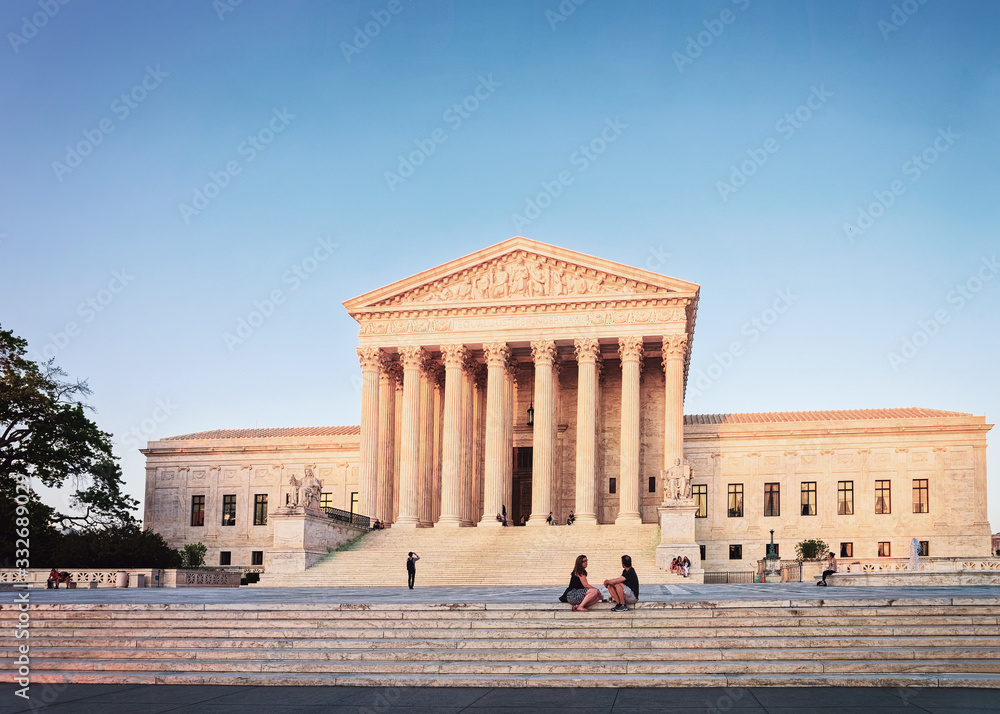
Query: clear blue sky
pixel 115 114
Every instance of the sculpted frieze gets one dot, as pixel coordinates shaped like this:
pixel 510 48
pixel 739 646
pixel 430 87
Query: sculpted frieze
pixel 521 274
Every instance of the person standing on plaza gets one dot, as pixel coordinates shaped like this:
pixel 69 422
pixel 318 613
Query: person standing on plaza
pixel 831 568
pixel 624 590
pixel 411 568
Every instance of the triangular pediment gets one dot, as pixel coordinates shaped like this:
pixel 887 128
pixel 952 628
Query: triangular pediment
pixel 520 271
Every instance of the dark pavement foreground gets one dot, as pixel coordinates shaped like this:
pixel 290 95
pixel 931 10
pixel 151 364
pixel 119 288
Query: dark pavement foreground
pixel 152 699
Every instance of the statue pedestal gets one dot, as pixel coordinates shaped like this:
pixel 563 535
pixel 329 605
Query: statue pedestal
pixel 677 537
pixel 302 537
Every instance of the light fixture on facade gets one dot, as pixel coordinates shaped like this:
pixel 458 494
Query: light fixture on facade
pixel 531 414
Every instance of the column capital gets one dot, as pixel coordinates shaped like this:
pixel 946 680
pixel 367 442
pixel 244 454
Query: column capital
pixel 412 356
pixel 497 354
pixel 543 352
pixel 674 347
pixel 470 364
pixel 371 357
pixel 587 350
pixel 453 355
pixel 511 364
pixel 392 369
pixel 630 349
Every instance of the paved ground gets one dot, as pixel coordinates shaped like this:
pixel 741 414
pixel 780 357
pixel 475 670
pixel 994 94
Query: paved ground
pixel 649 593
pixel 110 699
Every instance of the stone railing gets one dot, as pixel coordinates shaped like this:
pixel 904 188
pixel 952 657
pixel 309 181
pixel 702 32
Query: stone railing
pixel 108 577
pixel 889 565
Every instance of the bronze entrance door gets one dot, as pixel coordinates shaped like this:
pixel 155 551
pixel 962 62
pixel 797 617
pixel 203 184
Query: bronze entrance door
pixel 521 492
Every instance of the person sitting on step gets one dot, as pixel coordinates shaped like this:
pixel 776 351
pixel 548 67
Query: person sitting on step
pixel 580 593
pixel 55 577
pixel 501 520
pixel 549 519
pixel 686 566
pixel 625 589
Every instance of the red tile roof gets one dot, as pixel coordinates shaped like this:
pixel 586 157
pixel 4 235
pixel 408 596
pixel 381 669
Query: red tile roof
pixel 287 432
pixel 837 415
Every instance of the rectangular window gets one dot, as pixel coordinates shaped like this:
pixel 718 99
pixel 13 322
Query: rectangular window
pixel 736 552
pixel 883 496
pixel 197 510
pixel 229 510
pixel 925 548
pixel 772 499
pixel 354 502
pixel 921 503
pixel 736 500
pixel 701 549
pixel 612 485
pixel 808 498
pixel 699 492
pixel 225 557
pixel 256 557
pixel 652 484
pixel 845 498
pixel 884 550
pixel 260 509
pixel 326 500
pixel 847 550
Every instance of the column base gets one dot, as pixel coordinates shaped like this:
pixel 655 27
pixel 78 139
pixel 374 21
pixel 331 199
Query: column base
pixel 491 522
pixel 536 521
pixel 449 522
pixel 628 519
pixel 585 519
pixel 407 522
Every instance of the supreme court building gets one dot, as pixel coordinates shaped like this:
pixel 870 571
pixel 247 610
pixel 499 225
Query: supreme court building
pixel 533 379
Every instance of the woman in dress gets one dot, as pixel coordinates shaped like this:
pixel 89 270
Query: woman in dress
pixel 580 593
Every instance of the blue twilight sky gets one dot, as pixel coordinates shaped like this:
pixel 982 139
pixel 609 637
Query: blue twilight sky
pixel 164 165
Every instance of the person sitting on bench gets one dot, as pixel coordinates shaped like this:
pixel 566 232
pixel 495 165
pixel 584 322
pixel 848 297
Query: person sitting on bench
pixel 55 577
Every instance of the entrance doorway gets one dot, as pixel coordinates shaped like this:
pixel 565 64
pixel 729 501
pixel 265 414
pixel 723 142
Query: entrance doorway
pixel 521 492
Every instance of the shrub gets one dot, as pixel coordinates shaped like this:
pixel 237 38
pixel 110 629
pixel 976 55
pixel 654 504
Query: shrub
pixel 811 550
pixel 123 547
pixel 193 555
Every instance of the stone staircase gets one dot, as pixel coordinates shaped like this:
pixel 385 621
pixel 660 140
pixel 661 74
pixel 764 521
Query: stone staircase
pixel 486 556
pixel 942 642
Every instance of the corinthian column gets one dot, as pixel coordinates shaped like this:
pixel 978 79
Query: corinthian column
pixel 451 448
pixel 587 351
pixel 371 364
pixel 386 440
pixel 497 354
pixel 425 491
pixel 674 349
pixel 630 349
pixel 409 448
pixel 543 353
pixel 508 454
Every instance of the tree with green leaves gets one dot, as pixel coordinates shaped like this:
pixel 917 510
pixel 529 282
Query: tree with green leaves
pixel 47 437
pixel 814 549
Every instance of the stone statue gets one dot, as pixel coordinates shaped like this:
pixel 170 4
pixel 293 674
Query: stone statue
pixel 312 489
pixel 677 481
pixel 914 554
pixel 295 497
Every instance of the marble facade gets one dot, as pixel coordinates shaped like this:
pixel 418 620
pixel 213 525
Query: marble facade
pixel 455 359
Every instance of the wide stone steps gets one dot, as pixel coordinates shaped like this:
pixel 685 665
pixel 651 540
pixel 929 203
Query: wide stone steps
pixel 852 643
pixel 484 556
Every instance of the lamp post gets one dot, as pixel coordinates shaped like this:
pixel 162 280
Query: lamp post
pixel 772 563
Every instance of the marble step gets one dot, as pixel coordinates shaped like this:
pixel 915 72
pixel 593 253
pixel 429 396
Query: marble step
pixel 551 680
pixel 493 655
